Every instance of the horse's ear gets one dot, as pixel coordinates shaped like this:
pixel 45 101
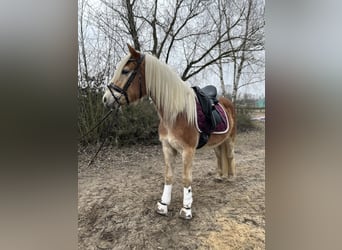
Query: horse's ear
pixel 133 52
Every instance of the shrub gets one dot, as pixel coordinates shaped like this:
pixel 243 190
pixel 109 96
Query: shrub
pixel 90 111
pixel 244 122
pixel 136 124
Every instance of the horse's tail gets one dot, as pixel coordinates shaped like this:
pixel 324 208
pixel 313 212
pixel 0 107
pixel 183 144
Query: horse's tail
pixel 226 149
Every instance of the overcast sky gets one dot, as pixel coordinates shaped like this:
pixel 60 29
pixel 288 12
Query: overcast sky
pixel 210 74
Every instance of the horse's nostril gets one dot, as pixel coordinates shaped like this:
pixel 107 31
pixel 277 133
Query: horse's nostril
pixel 104 99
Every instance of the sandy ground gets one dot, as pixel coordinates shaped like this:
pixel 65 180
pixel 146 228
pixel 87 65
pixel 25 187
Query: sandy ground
pixel 117 197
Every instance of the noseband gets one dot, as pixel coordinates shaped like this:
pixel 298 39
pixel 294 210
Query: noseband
pixel 123 91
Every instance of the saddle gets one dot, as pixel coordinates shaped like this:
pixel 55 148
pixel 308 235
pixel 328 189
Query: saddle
pixel 207 98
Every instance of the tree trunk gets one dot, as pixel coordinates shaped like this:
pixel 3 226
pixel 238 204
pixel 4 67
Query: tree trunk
pixel 224 93
pixel 239 62
pixel 220 65
pixel 83 52
pixel 132 26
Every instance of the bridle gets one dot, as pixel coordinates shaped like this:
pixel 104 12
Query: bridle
pixel 123 91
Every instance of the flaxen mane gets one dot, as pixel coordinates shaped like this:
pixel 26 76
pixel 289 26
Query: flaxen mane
pixel 170 93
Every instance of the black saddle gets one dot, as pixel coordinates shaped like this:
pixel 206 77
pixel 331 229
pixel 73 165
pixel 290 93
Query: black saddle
pixel 207 97
pixel 211 92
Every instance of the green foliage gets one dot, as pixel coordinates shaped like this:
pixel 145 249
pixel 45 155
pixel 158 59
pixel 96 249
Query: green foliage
pixel 244 121
pixel 136 124
pixel 90 112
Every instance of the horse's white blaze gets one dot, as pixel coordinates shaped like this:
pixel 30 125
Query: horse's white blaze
pixel 187 197
pixel 166 197
pixel 120 67
pixel 109 98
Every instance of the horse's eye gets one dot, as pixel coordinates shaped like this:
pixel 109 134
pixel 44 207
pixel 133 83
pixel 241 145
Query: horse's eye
pixel 125 71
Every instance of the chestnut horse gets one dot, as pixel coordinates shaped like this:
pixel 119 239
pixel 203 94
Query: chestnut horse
pixel 139 75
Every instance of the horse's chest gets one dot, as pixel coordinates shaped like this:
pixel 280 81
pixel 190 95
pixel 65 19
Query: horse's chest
pixel 180 136
pixel 174 143
pixel 171 139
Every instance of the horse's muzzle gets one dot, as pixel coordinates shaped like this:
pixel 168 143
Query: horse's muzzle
pixel 108 101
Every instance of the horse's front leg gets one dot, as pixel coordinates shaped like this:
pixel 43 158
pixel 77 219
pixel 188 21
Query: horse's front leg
pixel 169 157
pixel 187 155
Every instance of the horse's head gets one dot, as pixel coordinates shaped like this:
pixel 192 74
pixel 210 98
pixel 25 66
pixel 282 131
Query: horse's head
pixel 128 83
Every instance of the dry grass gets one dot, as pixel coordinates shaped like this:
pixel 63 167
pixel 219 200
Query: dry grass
pixel 117 197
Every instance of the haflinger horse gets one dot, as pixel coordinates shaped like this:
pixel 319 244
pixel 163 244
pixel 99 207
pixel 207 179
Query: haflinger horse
pixel 139 75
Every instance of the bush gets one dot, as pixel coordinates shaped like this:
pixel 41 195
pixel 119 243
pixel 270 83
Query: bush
pixel 90 111
pixel 136 124
pixel 244 122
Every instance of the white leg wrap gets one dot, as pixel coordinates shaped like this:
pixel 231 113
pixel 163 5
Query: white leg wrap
pixel 161 208
pixel 185 213
pixel 166 197
pixel 187 197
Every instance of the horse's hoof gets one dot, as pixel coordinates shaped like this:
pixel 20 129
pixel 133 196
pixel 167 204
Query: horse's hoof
pixel 185 213
pixel 231 178
pixel 161 208
pixel 218 178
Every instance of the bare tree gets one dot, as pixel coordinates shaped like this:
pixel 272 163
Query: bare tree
pixel 220 62
pixel 82 55
pixel 198 34
pixel 221 5
pixel 251 42
pixel 181 23
pixel 99 43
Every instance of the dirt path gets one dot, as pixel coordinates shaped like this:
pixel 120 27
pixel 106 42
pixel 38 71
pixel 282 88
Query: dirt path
pixel 117 197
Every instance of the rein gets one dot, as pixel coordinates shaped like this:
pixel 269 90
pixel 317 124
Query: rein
pixel 110 125
pixel 107 131
pixel 123 91
pixel 97 125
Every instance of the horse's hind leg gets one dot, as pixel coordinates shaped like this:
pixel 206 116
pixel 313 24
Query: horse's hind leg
pixel 222 161
pixel 187 156
pixel 169 157
pixel 225 160
pixel 219 163
pixel 231 158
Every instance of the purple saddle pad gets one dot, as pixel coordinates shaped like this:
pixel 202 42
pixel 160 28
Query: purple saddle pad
pixel 202 125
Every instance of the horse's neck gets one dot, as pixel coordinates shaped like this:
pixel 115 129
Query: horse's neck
pixel 160 110
pixel 171 97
